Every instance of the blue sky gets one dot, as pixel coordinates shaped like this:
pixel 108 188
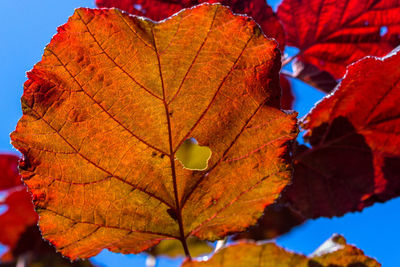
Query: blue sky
pixel 26 26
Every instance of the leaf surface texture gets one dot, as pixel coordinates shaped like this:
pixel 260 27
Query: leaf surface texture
pixel 334 252
pixel 354 134
pixel 332 34
pixel 157 10
pixel 114 98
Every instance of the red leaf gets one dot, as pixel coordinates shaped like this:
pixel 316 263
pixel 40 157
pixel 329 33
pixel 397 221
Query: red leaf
pixel 287 97
pixel 355 136
pixel 332 34
pixel 19 212
pixel 9 176
pixel 161 9
pixel 19 215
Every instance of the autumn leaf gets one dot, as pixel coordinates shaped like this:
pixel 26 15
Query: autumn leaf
pixel 355 135
pixel 157 10
pixel 111 102
pixel 19 213
pixel 334 252
pixel 332 34
pixel 9 176
pixel 15 220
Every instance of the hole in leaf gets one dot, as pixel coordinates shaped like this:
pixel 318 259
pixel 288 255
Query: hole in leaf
pixel 3 209
pixel 193 156
pixel 383 30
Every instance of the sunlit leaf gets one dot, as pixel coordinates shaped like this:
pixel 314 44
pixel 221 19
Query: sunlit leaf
pixel 9 176
pixel 114 98
pixel 331 34
pixel 354 160
pixel 334 252
pixel 17 218
pixel 157 10
pixel 17 213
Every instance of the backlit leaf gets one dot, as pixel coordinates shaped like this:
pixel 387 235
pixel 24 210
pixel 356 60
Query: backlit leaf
pixel 17 218
pixel 111 102
pixel 354 160
pixel 17 209
pixel 332 34
pixel 9 176
pixel 157 10
pixel 334 252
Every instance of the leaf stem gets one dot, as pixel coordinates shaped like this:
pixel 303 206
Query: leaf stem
pixel 186 248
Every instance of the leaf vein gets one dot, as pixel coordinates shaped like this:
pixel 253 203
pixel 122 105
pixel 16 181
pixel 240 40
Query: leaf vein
pixel 113 61
pixel 215 96
pixel 195 58
pixel 102 108
pixel 222 157
pixel 97 166
pixel 108 226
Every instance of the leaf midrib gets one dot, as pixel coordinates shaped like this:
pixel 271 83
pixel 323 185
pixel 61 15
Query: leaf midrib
pixel 172 152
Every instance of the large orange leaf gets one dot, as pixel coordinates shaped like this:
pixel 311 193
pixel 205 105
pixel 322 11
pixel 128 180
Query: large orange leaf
pixel 334 252
pixel 111 102
pixel 354 160
pixel 161 9
pixel 334 33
